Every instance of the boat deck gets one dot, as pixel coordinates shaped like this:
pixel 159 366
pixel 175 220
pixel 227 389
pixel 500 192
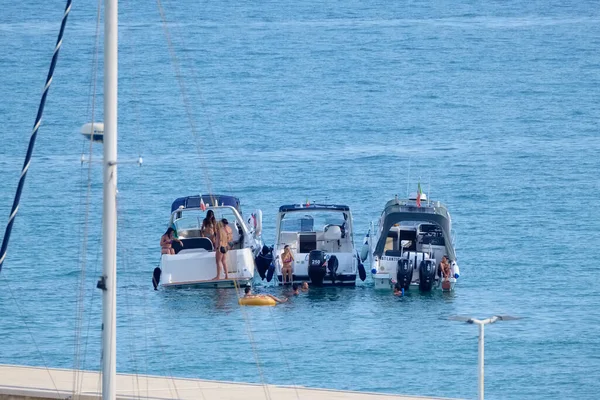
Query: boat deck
pixel 37 383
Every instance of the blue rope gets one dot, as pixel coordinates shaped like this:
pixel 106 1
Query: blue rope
pixel 36 126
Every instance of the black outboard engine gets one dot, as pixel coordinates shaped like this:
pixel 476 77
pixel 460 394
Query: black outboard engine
pixel 332 266
pixel 317 268
pixel 263 260
pixel 427 271
pixel 404 273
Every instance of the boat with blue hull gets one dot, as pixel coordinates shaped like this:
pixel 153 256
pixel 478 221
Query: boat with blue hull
pixel 194 263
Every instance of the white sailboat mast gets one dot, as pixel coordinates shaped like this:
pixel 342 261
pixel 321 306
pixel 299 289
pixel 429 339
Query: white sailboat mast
pixel 109 220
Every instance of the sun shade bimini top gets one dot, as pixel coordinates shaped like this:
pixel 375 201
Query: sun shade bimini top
pixel 298 207
pixel 209 199
pixel 397 211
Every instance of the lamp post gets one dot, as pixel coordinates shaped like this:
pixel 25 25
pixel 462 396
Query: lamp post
pixel 481 323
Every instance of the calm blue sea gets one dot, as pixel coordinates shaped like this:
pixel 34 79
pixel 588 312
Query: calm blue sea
pixel 493 104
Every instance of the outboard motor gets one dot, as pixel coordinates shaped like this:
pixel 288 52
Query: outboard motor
pixel 332 266
pixel 317 267
pixel 404 273
pixel 427 271
pixel 263 260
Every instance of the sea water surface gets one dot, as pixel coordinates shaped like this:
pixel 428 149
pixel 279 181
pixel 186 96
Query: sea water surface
pixel 493 105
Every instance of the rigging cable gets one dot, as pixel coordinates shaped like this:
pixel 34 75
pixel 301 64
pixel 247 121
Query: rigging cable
pixel 178 74
pixel 184 95
pixel 27 162
pixel 77 377
pixel 179 77
pixel 36 127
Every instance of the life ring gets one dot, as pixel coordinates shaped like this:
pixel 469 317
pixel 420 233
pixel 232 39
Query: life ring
pixel 257 301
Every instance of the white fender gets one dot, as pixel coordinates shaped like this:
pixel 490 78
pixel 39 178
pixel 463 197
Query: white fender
pixel 257 223
pixel 455 269
pixel 364 252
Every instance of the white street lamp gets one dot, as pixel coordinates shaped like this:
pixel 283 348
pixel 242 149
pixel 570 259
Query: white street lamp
pixel 482 323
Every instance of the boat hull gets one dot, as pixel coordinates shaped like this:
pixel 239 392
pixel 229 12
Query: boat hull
pixel 346 272
pixel 340 280
pixel 198 269
pixel 212 284
pixel 386 282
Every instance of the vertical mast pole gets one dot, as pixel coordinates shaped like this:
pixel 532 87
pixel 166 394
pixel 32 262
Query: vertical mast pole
pixel 481 346
pixel 109 220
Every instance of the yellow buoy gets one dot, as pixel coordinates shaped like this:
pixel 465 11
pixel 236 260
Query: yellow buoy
pixel 257 301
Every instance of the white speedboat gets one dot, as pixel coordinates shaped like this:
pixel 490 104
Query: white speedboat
pixel 406 245
pixel 320 237
pixel 194 264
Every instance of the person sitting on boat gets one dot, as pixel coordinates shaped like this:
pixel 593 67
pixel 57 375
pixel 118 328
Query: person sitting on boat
pixel 286 259
pixel 305 286
pixel 445 268
pixel 209 225
pixel 166 242
pixel 224 239
pixel 248 294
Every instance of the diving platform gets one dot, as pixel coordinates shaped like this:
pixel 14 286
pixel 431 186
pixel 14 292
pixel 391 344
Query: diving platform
pixel 38 383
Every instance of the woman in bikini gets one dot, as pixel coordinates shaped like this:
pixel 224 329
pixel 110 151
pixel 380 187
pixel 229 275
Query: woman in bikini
pixel 223 238
pixel 287 259
pixel 445 268
pixel 166 242
pixel 209 227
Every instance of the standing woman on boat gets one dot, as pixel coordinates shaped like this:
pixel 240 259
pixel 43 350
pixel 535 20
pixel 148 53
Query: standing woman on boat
pixel 209 227
pixel 287 258
pixel 166 242
pixel 223 238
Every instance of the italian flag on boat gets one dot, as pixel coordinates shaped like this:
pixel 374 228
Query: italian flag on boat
pixel 419 191
pixel 202 205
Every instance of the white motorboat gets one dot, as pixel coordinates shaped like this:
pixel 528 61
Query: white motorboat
pixel 406 245
pixel 93 131
pixel 320 237
pixel 194 264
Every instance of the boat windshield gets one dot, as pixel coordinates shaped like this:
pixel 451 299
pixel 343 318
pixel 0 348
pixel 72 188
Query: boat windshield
pixel 189 222
pixel 315 221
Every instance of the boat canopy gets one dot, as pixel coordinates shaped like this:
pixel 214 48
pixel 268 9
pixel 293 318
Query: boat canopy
pixel 299 207
pixel 397 211
pixel 209 199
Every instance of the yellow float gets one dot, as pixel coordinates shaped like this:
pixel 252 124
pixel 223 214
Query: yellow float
pixel 257 301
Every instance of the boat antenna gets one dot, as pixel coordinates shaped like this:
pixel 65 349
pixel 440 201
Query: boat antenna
pixel 429 187
pixel 32 138
pixel 408 181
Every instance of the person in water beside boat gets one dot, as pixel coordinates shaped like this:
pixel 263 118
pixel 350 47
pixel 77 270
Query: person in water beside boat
pixel 287 258
pixel 209 227
pixel 305 286
pixel 398 290
pixel 295 289
pixel 223 239
pixel 166 242
pixel 248 294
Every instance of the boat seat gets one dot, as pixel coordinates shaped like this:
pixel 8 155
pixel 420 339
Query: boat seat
pixel 189 233
pixel 193 243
